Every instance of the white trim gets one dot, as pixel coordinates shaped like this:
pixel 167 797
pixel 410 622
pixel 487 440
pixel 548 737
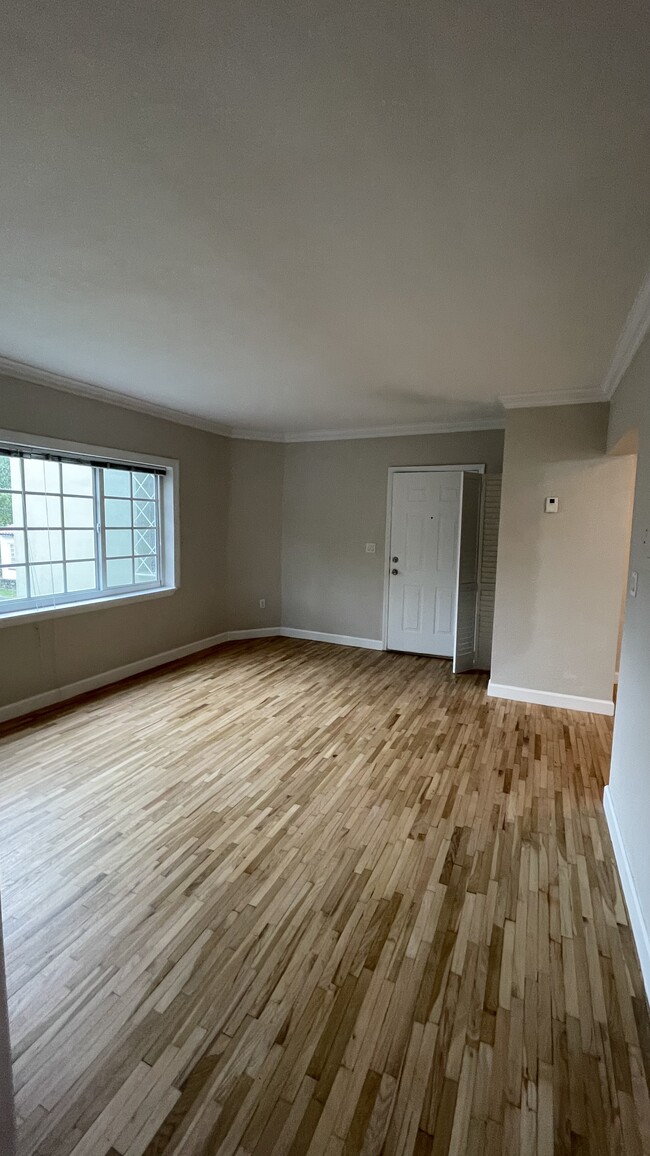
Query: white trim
pixel 472 468
pixel 551 698
pixel 24 372
pixel 258 632
pixel 635 328
pixel 38 613
pixel 383 431
pixel 392 470
pixel 337 639
pixel 257 435
pixel 61 694
pixel 73 385
pixel 170 534
pixel 632 334
pixel 635 912
pixel 97 681
pixel 83 449
pixel 551 397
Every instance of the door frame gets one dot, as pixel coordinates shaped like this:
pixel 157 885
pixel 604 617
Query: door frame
pixel 474 468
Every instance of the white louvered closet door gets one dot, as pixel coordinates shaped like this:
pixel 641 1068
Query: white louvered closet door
pixel 468 573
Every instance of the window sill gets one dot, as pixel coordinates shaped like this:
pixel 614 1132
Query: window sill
pixel 38 614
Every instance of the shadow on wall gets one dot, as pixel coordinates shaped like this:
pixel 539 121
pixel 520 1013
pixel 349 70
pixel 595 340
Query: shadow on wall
pixel 561 576
pixel 594 506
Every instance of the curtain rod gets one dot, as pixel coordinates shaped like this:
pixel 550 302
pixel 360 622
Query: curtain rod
pixel 79 460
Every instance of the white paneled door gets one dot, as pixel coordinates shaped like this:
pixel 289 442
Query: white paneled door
pixel 424 544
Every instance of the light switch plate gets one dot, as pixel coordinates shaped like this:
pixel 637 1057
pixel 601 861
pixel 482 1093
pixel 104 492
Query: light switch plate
pixel 551 505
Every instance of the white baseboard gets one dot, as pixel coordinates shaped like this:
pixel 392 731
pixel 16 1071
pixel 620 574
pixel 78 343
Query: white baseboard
pixel 260 632
pixel 61 694
pixel 637 921
pixel 97 681
pixel 337 639
pixel 307 635
pixel 550 698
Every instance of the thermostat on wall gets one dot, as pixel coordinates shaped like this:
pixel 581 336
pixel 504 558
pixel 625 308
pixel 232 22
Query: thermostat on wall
pixel 551 505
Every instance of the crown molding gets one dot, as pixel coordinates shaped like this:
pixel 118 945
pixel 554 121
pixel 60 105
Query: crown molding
pixel 632 334
pixel 398 431
pixel 391 431
pixel 635 329
pixel 37 376
pixel 551 397
pixel 256 435
pixel 637 325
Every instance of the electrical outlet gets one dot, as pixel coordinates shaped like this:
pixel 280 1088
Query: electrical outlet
pixel 262 603
pixel 370 547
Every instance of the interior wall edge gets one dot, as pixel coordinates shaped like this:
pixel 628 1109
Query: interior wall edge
pixel 335 639
pixel 551 698
pixel 62 694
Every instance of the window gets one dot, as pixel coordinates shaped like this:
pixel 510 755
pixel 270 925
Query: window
pixel 73 529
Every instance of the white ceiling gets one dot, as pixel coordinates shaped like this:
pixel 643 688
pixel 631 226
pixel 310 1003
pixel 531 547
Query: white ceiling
pixel 323 215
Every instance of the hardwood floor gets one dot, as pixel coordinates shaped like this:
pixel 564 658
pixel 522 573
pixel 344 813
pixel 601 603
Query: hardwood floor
pixel 296 898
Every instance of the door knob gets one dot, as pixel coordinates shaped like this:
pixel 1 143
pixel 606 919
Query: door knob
pixel 394 571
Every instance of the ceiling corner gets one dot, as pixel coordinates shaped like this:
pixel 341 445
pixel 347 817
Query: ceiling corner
pixel 637 324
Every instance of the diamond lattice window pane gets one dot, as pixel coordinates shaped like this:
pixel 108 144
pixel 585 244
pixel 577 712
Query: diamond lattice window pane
pixel 146 570
pixel 144 541
pixel 144 514
pixel 144 485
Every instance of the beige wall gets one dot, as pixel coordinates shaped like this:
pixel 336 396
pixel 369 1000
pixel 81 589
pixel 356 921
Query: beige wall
pixel 287 523
pixel 560 576
pixel 255 534
pixel 629 788
pixel 334 502
pixel 38 657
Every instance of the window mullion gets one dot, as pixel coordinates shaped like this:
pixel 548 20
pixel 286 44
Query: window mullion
pixel 63 555
pixel 100 529
pixel 28 577
pixel 159 531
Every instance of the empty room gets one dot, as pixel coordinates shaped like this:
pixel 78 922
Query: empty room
pixel 325 579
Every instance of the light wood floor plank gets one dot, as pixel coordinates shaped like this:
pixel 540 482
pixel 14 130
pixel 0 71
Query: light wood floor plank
pixel 291 898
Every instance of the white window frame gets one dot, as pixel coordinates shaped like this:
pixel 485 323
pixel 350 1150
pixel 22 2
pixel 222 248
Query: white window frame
pixel 76 602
